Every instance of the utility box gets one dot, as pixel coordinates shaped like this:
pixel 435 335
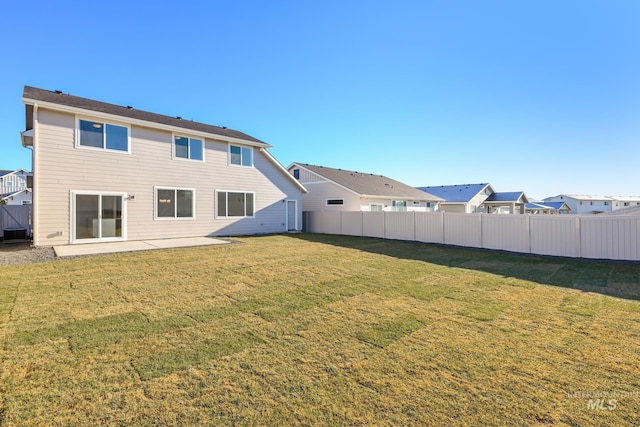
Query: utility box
pixel 15 234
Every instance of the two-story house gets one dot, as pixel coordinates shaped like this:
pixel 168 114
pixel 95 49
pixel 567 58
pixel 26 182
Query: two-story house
pixel 583 203
pixel 104 172
pixel 15 187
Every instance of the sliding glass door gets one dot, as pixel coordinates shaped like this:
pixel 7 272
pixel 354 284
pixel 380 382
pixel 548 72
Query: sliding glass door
pixel 98 216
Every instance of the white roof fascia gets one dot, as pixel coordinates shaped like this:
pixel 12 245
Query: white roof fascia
pixel 282 169
pixel 423 199
pixel 144 123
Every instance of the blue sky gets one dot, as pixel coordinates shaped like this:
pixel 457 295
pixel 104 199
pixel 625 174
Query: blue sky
pixel 540 96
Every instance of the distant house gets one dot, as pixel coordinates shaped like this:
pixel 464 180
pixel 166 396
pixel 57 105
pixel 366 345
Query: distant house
pixel 344 190
pixel 104 172
pixel 505 203
pixel 14 181
pixel 621 202
pixel 584 204
pixel 22 197
pixel 467 198
pixel 547 208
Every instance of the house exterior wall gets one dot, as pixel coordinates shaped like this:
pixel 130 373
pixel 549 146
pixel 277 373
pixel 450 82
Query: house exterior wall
pixel 61 168
pixel 20 198
pixel 12 182
pixel 580 207
pixel 418 206
pixel 321 191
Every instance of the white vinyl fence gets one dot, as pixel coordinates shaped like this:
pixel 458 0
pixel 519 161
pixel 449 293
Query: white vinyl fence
pixel 15 217
pixel 576 236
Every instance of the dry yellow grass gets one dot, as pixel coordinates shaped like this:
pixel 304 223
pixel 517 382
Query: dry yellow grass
pixel 316 330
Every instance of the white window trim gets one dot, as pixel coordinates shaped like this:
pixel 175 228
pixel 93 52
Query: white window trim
pixel 175 218
pixel 187 159
pixel 241 147
pixel 215 196
pixel 326 202
pixel 72 217
pixel 104 142
pixel 372 205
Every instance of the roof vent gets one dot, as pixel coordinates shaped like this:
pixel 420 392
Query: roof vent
pixel 129 107
pixel 58 91
pixel 178 117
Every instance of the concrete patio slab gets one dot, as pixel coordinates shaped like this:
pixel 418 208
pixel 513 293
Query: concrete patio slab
pixel 132 246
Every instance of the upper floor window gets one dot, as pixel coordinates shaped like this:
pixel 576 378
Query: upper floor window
pixel 241 156
pixel 103 135
pixel 296 173
pixel 188 148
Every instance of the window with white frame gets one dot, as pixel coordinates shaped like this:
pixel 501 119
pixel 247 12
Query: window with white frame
pixel 102 135
pixel 175 203
pixel 376 207
pixel 234 203
pixel 241 156
pixel 188 148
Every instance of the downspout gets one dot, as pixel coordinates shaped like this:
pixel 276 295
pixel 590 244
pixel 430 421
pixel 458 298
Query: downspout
pixel 34 162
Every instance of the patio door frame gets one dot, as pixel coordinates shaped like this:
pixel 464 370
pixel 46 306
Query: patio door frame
pixel 100 194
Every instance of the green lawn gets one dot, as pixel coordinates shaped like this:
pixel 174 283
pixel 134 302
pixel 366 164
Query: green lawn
pixel 316 329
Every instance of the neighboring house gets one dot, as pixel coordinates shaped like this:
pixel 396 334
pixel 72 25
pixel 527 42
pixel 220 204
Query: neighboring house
pixel 104 172
pixel 466 198
pixel 22 197
pixel 630 211
pixel 505 203
pixel 584 204
pixel 621 202
pixel 338 189
pixel 547 208
pixel 14 181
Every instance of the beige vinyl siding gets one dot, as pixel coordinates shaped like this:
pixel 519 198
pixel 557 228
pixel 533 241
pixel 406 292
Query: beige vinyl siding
pixel 63 167
pixel 320 192
pixel 306 175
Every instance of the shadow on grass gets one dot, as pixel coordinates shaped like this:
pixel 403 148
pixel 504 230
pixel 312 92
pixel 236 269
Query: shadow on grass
pixel 613 278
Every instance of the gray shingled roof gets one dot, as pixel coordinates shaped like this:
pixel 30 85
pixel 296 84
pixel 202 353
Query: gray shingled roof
pixel 57 97
pixel 369 184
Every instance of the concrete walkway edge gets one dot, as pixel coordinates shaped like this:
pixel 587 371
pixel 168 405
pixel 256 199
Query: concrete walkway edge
pixel 132 246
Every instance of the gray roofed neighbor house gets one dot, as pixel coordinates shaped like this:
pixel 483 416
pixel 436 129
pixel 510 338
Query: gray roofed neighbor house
pixel 368 184
pixel 59 98
pixel 455 193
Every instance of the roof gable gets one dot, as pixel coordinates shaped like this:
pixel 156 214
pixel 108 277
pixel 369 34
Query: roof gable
pixel 32 94
pixel 457 193
pixel 368 184
pixel 513 197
